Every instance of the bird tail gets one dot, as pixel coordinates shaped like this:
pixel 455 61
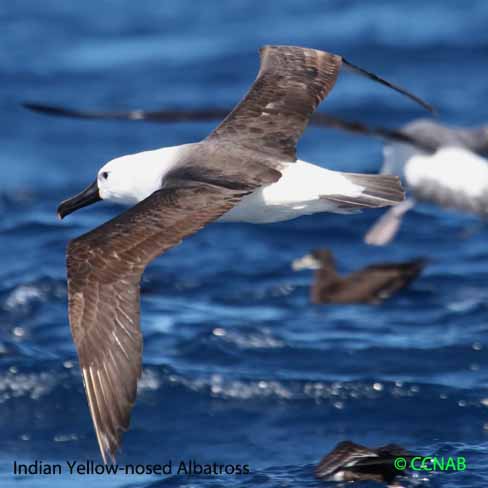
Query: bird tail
pixel 415 267
pixel 375 191
pixel 408 269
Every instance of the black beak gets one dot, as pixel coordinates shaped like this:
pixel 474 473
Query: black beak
pixel 88 196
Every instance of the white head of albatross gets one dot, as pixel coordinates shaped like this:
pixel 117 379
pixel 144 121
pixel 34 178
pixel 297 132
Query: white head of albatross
pixel 126 179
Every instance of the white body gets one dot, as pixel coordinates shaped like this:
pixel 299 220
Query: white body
pixel 300 190
pixel 452 177
pixel 452 172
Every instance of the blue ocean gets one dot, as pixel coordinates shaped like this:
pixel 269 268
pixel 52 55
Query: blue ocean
pixel 239 367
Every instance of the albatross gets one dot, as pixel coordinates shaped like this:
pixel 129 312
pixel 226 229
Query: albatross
pixel 438 164
pixel 373 284
pixel 441 165
pixel 353 462
pixel 246 170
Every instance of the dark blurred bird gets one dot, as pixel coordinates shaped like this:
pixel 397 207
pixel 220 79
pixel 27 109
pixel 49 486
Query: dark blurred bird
pixel 352 462
pixel 372 285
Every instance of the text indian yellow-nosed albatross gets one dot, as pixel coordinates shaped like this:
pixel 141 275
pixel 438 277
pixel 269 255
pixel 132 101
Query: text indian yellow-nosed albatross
pixel 245 170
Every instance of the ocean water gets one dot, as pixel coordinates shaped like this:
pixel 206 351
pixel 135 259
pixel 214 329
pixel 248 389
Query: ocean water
pixel 239 368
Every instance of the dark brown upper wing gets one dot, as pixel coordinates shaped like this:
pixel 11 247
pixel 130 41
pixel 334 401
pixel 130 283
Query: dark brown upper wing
pixel 104 272
pixel 291 82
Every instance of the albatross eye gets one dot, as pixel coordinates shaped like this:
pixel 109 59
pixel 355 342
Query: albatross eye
pixel 104 175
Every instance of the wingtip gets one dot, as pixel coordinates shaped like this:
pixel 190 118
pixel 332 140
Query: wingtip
pixel 107 451
pixel 434 111
pixel 104 455
pixel 372 76
pixel 108 456
pixel 33 107
pixel 42 109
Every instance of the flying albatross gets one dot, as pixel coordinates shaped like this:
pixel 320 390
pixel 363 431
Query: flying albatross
pixel 245 170
pixel 442 165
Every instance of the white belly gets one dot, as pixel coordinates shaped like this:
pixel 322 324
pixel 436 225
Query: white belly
pixel 298 192
pixel 452 177
pixel 453 168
